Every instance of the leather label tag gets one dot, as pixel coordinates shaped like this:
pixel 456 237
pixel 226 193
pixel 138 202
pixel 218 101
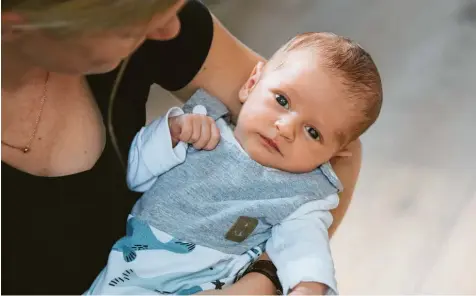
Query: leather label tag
pixel 241 229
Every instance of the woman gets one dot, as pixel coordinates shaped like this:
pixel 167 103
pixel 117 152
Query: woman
pixel 64 196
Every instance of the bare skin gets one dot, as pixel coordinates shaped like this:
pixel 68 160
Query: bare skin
pixel 64 145
pixel 71 135
pixel 346 166
pixel 228 53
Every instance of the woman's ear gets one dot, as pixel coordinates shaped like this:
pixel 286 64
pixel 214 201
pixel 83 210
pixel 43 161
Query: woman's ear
pixel 246 89
pixel 11 22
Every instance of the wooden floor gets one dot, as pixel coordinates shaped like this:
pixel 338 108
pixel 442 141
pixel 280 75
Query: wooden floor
pixel 411 228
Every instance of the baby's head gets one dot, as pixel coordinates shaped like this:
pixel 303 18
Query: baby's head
pixel 316 94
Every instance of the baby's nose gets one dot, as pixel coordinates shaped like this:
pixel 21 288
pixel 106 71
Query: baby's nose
pixel 286 127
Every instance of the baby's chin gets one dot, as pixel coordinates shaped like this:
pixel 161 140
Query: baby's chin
pixel 280 163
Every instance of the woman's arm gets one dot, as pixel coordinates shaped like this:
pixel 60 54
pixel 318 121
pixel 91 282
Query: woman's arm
pixel 347 169
pixel 227 66
pixel 251 284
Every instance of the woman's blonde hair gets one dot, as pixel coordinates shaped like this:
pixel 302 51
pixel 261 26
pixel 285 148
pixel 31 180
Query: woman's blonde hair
pixel 63 17
pixel 84 15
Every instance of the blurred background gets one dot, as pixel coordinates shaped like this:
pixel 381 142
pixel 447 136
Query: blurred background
pixel 411 228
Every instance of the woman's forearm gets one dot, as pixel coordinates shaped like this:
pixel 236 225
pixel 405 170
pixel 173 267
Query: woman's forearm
pixel 226 68
pixel 251 284
pixel 347 169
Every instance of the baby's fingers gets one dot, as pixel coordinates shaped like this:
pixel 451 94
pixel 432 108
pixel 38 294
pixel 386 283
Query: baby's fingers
pixel 214 137
pixel 204 133
pixel 187 129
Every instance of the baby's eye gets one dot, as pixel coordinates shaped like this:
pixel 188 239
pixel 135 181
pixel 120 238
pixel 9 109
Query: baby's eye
pixel 313 133
pixel 282 101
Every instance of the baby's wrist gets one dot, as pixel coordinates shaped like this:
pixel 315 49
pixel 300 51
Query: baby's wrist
pixel 174 130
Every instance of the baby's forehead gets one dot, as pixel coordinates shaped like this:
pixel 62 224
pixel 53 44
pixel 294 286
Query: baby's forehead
pixel 307 62
pixel 304 58
pixel 310 80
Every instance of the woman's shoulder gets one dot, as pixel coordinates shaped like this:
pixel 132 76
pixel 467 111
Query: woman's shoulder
pixel 174 63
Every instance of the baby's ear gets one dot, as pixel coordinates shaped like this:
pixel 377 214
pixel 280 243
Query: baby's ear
pixel 246 89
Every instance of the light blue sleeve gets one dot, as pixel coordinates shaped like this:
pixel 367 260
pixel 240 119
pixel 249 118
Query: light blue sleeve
pixel 151 153
pixel 299 246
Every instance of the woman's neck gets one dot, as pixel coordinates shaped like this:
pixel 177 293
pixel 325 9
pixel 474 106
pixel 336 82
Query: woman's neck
pixel 17 71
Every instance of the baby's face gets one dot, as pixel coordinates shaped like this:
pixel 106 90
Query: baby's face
pixel 292 116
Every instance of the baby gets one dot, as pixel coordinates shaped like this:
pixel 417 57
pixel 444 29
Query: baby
pixel 216 196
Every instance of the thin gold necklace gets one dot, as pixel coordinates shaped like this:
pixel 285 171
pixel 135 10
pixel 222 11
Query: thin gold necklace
pixel 27 147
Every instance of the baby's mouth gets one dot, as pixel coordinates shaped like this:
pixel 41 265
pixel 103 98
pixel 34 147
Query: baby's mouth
pixel 270 144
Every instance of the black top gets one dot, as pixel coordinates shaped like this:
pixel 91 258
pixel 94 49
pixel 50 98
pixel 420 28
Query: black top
pixel 57 231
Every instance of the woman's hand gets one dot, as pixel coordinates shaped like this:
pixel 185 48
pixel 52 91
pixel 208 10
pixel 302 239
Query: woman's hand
pixel 347 167
pixel 197 129
pixel 251 284
pixel 306 288
pixel 225 70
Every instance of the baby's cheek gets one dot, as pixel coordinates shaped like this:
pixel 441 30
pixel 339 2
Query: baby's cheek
pixel 304 161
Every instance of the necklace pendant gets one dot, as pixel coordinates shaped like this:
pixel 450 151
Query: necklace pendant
pixel 26 150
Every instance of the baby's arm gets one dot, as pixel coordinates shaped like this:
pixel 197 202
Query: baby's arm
pixel 162 145
pixel 299 247
pixel 152 153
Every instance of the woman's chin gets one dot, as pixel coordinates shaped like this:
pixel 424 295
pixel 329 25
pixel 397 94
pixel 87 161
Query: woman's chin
pixel 102 68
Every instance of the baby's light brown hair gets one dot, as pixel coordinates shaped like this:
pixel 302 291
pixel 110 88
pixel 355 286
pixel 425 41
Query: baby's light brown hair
pixel 353 65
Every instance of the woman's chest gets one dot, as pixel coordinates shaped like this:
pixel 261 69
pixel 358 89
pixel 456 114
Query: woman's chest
pixel 70 134
pixel 72 131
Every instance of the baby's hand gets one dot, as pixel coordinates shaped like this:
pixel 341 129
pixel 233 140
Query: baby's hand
pixel 197 129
